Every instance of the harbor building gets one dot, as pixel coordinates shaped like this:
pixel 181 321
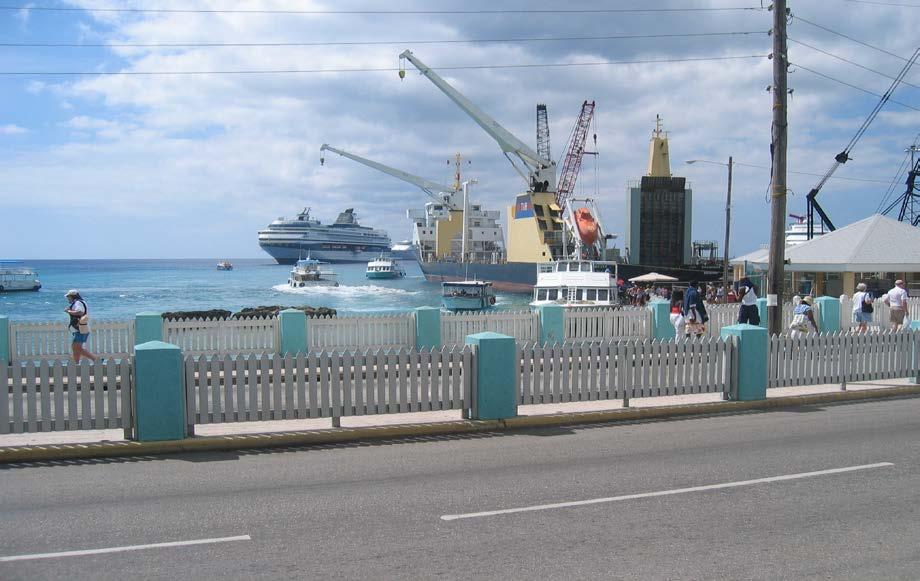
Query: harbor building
pixel 659 211
pixel 876 250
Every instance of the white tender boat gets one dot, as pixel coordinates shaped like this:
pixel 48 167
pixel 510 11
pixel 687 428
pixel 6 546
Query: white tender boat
pixel 576 283
pixel 224 265
pixel 384 267
pixel 14 276
pixel 310 272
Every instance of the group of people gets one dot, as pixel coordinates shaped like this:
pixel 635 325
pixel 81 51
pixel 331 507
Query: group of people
pixel 897 300
pixel 688 312
pixel 639 296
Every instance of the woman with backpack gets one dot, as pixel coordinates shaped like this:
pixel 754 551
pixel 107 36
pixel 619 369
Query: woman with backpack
pixel 862 307
pixel 79 323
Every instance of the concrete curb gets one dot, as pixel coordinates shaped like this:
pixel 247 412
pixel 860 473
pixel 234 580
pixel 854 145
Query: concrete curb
pixel 346 435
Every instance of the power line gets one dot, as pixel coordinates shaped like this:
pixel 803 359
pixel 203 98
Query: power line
pixel 855 64
pixel 369 43
pixel 898 4
pixel 848 37
pixel 805 173
pixel 375 12
pixel 852 86
pixel 374 70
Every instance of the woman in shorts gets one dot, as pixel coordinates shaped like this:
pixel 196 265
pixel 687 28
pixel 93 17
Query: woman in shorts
pixel 77 311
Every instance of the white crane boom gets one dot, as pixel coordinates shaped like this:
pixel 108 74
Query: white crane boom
pixel 429 187
pixel 541 173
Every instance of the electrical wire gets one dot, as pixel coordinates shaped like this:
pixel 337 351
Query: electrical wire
pixel 804 173
pixel 848 61
pixel 852 86
pixel 367 43
pixel 848 37
pixel 897 4
pixel 372 70
pixel 375 12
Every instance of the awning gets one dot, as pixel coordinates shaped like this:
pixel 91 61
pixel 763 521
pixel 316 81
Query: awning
pixel 653 277
pixel 554 207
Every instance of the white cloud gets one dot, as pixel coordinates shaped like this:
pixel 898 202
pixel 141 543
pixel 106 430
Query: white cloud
pixel 11 129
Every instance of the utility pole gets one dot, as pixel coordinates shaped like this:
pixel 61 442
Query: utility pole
pixel 776 269
pixel 728 229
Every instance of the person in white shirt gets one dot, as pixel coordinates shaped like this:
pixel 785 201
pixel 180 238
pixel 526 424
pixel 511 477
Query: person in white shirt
pixel 896 299
pixel 862 307
pixel 748 313
pixel 76 311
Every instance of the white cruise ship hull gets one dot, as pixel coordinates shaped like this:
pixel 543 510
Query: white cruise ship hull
pixel 290 255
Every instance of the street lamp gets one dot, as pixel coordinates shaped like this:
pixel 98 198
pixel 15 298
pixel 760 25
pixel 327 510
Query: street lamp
pixel 728 218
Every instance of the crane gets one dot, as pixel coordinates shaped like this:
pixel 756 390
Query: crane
pixel 439 192
pixel 543 132
pixel 538 173
pixel 909 208
pixel 841 158
pixel 574 154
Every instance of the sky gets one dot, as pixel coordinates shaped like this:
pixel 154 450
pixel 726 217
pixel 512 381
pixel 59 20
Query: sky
pixel 192 165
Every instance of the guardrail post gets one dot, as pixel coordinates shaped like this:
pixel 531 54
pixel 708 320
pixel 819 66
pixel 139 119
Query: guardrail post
pixel 762 311
pixel 552 324
pixel 293 329
pixel 662 329
pixel 428 328
pixel 148 327
pixel 495 396
pixel 159 392
pixel 753 347
pixel 6 343
pixel 828 314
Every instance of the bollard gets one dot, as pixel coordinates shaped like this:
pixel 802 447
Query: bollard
pixel 6 353
pixel 428 328
pixel 762 311
pixel 159 392
pixel 750 376
pixel 552 324
pixel 495 391
pixel 662 329
pixel 148 327
pixel 293 326
pixel 828 314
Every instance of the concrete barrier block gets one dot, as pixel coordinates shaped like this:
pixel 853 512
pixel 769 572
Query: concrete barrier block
pixel 428 328
pixel 148 327
pixel 293 324
pixel 159 392
pixel 552 324
pixel 495 395
pixel 753 345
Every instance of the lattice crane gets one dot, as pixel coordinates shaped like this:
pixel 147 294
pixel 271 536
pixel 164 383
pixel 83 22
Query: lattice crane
pixel 543 132
pixel 574 154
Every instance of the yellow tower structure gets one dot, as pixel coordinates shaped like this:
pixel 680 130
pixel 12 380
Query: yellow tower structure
pixel 659 163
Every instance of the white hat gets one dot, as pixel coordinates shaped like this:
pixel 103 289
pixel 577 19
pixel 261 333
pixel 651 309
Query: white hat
pixel 72 293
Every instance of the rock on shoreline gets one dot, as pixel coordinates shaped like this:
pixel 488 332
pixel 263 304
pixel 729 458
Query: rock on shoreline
pixel 247 313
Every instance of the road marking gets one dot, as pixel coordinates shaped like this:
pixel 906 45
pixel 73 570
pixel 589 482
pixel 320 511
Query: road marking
pixel 666 492
pixel 122 549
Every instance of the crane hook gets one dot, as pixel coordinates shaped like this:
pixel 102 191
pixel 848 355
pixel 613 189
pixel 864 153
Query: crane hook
pixel 322 160
pixel 402 68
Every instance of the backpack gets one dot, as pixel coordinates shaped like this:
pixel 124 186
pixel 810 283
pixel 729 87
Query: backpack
pixel 866 306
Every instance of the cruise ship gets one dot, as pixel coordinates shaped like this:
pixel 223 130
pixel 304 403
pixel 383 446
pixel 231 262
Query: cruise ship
pixel 342 241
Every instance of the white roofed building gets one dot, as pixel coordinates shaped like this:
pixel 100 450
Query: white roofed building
pixel 876 250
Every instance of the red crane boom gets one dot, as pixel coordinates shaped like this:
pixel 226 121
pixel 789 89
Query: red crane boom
pixel 575 151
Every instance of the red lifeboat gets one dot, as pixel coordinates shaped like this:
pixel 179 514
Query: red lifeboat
pixel 587 226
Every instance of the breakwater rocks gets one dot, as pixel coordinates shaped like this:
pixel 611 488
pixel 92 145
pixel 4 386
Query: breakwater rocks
pixel 247 313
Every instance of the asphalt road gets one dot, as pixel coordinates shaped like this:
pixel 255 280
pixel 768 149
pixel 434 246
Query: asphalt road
pixel 374 511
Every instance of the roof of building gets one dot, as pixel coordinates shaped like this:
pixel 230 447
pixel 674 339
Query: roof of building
pixel 874 244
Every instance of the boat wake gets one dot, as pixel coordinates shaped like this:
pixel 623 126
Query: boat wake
pixel 343 291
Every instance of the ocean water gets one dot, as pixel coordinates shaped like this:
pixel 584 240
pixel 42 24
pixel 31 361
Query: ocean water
pixel 118 289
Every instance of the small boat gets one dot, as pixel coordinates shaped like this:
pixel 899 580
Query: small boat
pixel 384 267
pixel 472 295
pixel 15 276
pixel 576 283
pixel 224 265
pixel 309 272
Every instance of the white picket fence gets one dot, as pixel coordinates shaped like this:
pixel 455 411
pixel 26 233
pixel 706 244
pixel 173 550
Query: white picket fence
pixel 842 358
pixel 43 341
pixel 583 371
pixel 596 324
pixel 222 336
pixel 522 325
pixel 47 396
pixel 327 384
pixel 364 332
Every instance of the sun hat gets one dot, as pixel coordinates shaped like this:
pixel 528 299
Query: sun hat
pixel 807 300
pixel 72 293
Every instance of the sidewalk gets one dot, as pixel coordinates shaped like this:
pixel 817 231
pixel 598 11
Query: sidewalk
pixel 421 418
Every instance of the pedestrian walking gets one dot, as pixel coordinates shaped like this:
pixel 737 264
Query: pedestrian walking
pixel 896 299
pixel 862 308
pixel 802 316
pixel 695 311
pixel 79 324
pixel 748 313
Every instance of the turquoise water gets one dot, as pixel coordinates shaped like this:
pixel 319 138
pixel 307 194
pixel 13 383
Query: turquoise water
pixel 118 289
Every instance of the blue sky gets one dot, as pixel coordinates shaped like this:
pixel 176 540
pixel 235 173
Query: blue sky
pixel 191 166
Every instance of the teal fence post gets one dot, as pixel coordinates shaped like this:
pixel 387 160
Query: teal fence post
pixel 914 328
pixel 662 329
pixel 751 372
pixel 6 353
pixel 428 328
pixel 148 327
pixel 552 324
pixel 495 391
pixel 159 392
pixel 293 325
pixel 762 311
pixel 828 314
